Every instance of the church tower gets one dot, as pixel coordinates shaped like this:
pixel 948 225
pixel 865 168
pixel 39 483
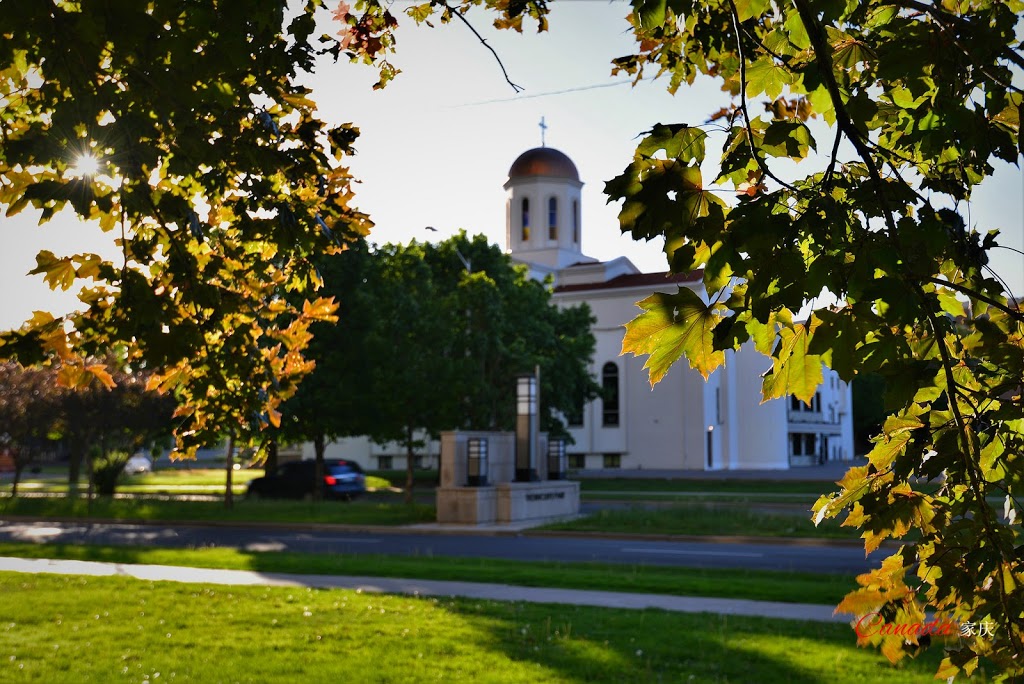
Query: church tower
pixel 542 212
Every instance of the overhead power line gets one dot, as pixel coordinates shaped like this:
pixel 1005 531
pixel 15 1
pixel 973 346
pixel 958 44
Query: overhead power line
pixel 549 93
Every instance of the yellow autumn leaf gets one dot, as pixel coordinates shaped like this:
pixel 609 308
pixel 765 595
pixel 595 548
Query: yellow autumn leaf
pixel 670 327
pixel 321 309
pixel 99 371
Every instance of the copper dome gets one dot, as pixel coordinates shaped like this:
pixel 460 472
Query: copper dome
pixel 543 161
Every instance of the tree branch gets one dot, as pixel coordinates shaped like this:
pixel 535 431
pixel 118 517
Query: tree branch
pixel 945 19
pixel 823 55
pixel 1015 314
pixel 451 10
pixel 743 101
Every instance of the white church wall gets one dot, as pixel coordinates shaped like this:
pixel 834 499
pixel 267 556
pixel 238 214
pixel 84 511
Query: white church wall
pixel 761 429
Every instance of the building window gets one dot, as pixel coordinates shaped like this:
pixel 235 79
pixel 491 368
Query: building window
pixel 526 219
pixel 577 461
pixel 553 219
pixel 575 418
pixel 610 385
pixel 810 444
pixel 795 442
pixel 795 404
pixel 576 222
pixel 817 402
pixel 611 461
pixel 384 462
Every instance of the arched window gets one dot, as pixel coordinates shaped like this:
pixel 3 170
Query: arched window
pixel 526 219
pixel 610 385
pixel 576 222
pixel 553 218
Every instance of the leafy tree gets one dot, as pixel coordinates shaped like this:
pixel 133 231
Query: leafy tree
pixel 331 401
pixel 109 421
pixel 96 418
pixel 511 327
pixel 429 345
pixel 921 97
pixel 179 127
pixel 29 412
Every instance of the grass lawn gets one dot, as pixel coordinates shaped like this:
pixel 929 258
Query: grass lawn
pixel 804 500
pixel 706 519
pixel 171 480
pixel 62 629
pixel 787 587
pixel 359 512
pixel 811 488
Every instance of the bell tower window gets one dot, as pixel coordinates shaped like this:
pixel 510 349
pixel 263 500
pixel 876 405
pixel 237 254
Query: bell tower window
pixel 553 218
pixel 526 219
pixel 576 222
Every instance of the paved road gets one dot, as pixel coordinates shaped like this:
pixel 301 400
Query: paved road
pixel 764 556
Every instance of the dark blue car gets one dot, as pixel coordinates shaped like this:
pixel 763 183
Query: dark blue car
pixel 297 479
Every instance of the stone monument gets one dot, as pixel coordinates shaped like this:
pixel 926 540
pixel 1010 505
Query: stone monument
pixel 498 477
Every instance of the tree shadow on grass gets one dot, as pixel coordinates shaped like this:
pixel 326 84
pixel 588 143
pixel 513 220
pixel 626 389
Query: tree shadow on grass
pixel 607 645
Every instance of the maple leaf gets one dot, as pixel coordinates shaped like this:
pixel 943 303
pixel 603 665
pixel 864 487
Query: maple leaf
pixel 342 13
pixel 670 327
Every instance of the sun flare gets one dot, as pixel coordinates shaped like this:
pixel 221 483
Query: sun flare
pixel 85 165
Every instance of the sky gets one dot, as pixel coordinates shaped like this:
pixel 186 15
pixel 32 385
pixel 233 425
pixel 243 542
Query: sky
pixel 436 144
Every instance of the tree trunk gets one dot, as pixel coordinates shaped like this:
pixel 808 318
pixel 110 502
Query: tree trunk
pixel 229 469
pixel 89 490
pixel 74 468
pixel 410 462
pixel 271 463
pixel 319 445
pixel 18 467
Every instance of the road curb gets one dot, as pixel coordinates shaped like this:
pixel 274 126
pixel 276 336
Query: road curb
pixel 430 529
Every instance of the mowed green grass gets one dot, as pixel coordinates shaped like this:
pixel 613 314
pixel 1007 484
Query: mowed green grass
pixel 763 585
pixel 358 512
pixel 171 480
pixel 76 628
pixel 706 519
pixel 812 488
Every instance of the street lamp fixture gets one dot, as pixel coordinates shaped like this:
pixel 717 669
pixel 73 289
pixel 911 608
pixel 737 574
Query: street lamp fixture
pixel 558 460
pixel 526 427
pixel 476 464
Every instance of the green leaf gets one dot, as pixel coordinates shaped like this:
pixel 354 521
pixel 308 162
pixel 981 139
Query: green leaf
pixel 767 77
pixel 651 13
pixel 886 451
pixel 794 370
pixel 788 139
pixel 57 272
pixel 670 327
pixel 748 9
pixel 679 141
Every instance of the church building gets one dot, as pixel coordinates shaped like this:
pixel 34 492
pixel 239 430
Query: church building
pixel 683 422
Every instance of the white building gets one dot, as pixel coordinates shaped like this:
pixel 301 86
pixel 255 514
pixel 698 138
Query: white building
pixel 683 423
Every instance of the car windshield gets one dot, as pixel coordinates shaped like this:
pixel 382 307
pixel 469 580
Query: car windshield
pixel 343 469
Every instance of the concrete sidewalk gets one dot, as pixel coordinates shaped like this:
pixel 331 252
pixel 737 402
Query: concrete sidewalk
pixel 414 587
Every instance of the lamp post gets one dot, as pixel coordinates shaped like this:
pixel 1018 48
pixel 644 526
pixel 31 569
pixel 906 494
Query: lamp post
pixel 476 463
pixel 711 446
pixel 557 459
pixel 526 427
